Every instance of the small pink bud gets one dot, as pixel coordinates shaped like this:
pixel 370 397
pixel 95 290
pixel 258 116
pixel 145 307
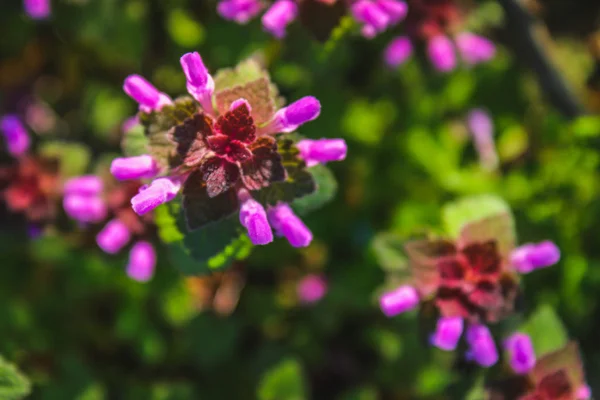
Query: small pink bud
pixel 253 217
pixel 474 49
pixel 279 16
pixel 532 256
pixel 441 53
pixel 138 167
pixel 322 151
pixel 142 260
pixel 160 191
pixel 403 299
pixel 311 289
pixel 113 237
pixel 287 224
pixel 520 352
pixel 398 51
pixel 240 11
pixel 482 348
pixel 447 333
pixel 142 91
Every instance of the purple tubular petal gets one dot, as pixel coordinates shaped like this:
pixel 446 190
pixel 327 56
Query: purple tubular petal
pixel 475 49
pixel 160 191
pixel 374 19
pixel 113 236
pixel 311 288
pixel 142 91
pixel 15 134
pixel 85 208
pixel 287 224
pixel 138 167
pixel 521 353
pixel 532 256
pixel 584 392
pixel 395 9
pixel 482 348
pixel 37 9
pixel 441 53
pixel 403 299
pixel 398 51
pixel 142 260
pixel 447 333
pixel 322 151
pixel 253 217
pixel 200 83
pixel 86 185
pixel 279 16
pixel 240 11
pixel 303 110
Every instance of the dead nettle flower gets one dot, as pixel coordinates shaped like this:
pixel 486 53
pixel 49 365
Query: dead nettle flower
pixel 37 9
pixel 88 200
pixel 15 135
pixel 311 288
pixel 275 20
pixel 375 16
pixel 481 127
pixel 31 186
pixel 555 376
pixel 474 279
pixel 437 24
pixel 224 153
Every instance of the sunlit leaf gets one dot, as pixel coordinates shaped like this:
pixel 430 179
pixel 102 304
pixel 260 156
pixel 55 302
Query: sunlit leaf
pixel 13 384
pixel 284 381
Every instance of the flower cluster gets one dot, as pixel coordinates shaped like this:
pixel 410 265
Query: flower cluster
pixel 437 24
pixel 555 376
pixel 87 200
pixel 37 9
pixel 472 280
pixel 225 148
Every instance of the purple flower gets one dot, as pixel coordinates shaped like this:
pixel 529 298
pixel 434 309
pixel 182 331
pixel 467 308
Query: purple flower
pixel 138 167
pixel 289 118
pixel 322 151
pixel 520 352
pixel 532 256
pixel 113 236
pixel 395 9
pixel 142 260
pixel 404 298
pixel 85 208
pixel 160 191
pixel 447 333
pixel 374 19
pixel 474 49
pixel 15 134
pixel 240 11
pixel 86 185
pixel 584 392
pixel 142 91
pixel 482 348
pixel 37 9
pixel 481 127
pixel 286 223
pixel 441 53
pixel 398 51
pixel 253 217
pixel 279 16
pixel 311 288
pixel 199 82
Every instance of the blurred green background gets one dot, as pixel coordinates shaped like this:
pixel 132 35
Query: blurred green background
pixel 78 328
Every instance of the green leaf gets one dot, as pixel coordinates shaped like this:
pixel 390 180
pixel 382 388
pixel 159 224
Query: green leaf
pixel 389 251
pixel 326 189
pixel 586 126
pixel 184 30
pixel 13 384
pixel 166 222
pixel 246 71
pixel 459 213
pixel 499 228
pixel 546 330
pixel 73 157
pixel 135 142
pixel 284 381
pixel 299 182
pixel 158 126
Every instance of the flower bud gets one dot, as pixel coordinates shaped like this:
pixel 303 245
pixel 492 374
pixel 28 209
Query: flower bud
pixel 137 167
pixel 322 151
pixel 447 333
pixel 240 11
pixel 311 288
pixel 521 353
pixel 474 49
pixel 142 260
pixel 37 9
pixel 287 224
pixel 374 19
pixel 532 256
pixel 404 298
pixel 113 236
pixel 441 53
pixel 15 134
pixel 482 348
pixel 89 209
pixel 289 118
pixel 86 185
pixel 398 51
pixel 142 91
pixel 279 16
pixel 199 82
pixel 254 218
pixel 160 191
pixel 396 10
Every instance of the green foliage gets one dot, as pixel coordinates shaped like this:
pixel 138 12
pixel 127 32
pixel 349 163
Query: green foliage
pixel 13 384
pixel 458 214
pixel 284 381
pixel 73 157
pixel 546 330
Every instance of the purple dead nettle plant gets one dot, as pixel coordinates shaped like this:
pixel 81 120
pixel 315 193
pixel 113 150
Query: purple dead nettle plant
pixel 374 16
pixel 94 202
pixel 470 282
pixel 224 148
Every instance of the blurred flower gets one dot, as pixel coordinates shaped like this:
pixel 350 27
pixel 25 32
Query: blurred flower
pixel 226 153
pixel 481 126
pixel 240 11
pixel 531 256
pixel 521 353
pixel 377 16
pixel 441 53
pixel 311 288
pixel 15 134
pixel 37 9
pixel 474 49
pixel 482 348
pixel 279 16
pixel 398 51
pixel 447 333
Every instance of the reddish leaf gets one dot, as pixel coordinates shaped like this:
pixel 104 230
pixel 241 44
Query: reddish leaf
pixel 483 258
pixel 218 143
pixel 259 93
pixel 566 359
pixel 452 302
pixel 201 209
pixel 190 137
pixel 237 124
pixel 556 386
pixel 498 228
pixel 219 175
pixel 487 295
pixel 235 150
pixel 451 270
pixel 238 152
pixel 424 256
pixel 265 166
